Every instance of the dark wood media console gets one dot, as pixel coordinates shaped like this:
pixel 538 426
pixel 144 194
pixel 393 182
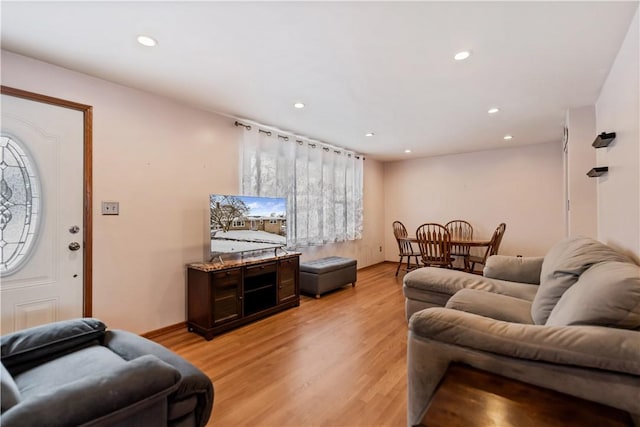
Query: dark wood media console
pixel 221 297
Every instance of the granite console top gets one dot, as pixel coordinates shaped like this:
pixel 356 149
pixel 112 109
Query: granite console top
pixel 239 262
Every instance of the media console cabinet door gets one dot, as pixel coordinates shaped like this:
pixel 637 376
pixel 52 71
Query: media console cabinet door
pixel 226 295
pixel 287 279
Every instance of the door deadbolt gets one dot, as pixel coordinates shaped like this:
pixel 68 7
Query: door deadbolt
pixel 74 246
pixel 74 229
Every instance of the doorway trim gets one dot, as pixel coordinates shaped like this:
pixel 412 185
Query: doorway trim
pixel 87 110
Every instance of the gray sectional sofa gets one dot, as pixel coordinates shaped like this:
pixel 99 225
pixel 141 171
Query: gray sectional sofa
pixel 76 372
pixel 569 321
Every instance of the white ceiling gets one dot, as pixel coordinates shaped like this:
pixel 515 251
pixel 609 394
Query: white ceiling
pixel 382 67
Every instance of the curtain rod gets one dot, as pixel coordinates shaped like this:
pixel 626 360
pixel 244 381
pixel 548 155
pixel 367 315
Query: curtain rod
pixel 286 138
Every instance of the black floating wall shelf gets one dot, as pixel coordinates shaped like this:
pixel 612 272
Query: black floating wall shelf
pixel 604 139
pixel 597 171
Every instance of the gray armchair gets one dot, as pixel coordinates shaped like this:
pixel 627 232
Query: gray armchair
pixel 76 372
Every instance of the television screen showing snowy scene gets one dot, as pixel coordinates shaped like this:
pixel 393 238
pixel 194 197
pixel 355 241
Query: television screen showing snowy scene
pixel 246 223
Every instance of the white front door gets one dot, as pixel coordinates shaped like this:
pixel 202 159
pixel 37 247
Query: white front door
pixel 41 211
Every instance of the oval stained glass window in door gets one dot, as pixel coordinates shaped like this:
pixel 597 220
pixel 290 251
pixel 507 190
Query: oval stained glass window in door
pixel 20 205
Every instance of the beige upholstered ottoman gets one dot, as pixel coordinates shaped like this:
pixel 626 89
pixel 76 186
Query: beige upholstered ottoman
pixel 326 274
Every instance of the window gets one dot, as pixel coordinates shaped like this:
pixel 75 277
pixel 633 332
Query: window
pixel 237 223
pixel 322 184
pixel 20 205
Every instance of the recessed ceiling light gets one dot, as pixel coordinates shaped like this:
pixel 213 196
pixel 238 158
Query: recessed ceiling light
pixel 369 134
pixel 147 41
pixel 493 110
pixel 462 55
pixel 508 137
pixel 298 105
pixel 407 151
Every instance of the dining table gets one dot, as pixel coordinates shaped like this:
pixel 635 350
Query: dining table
pixel 462 242
pixel 475 243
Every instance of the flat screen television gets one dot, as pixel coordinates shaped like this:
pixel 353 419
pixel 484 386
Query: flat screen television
pixel 246 223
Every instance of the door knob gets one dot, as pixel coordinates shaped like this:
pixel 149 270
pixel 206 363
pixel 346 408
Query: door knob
pixel 74 246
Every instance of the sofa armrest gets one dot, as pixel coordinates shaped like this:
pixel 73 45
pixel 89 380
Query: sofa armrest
pixel 514 269
pixel 23 347
pixel 597 347
pixel 107 398
pixel 194 382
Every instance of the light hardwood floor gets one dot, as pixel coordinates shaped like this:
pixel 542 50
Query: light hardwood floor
pixel 336 361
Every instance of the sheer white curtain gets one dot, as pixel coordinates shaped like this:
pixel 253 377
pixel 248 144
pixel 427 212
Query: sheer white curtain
pixel 322 184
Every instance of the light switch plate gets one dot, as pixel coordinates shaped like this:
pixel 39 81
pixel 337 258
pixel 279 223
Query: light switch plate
pixel 110 208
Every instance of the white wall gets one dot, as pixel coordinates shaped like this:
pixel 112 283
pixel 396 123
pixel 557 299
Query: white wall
pixel 519 186
pixel 581 191
pixel 160 160
pixel 617 110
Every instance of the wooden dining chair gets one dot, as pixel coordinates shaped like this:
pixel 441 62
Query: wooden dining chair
pixel 492 249
pixel 405 249
pixel 434 242
pixel 460 230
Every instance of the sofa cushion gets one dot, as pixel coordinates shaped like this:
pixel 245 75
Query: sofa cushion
pixel 513 269
pixel 9 393
pixel 562 266
pixel 495 306
pixel 74 366
pixel 24 346
pixel 607 294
